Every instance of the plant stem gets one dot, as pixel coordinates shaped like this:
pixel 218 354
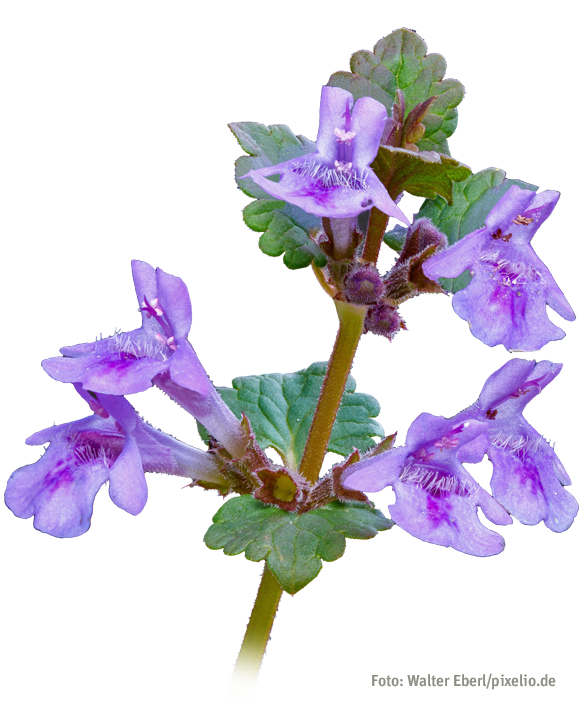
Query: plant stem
pixel 374 235
pixel 351 319
pixel 258 630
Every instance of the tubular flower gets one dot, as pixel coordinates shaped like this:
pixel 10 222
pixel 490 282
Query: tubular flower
pixel 528 477
pixel 436 498
pixel 336 181
pixel 113 445
pixel 505 302
pixel 130 362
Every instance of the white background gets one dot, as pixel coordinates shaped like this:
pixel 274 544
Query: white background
pixel 114 146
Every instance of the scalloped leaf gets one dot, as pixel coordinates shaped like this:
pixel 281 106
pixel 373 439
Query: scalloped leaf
pixel 400 62
pixel 425 174
pixel 280 408
pixel 282 233
pixel 292 545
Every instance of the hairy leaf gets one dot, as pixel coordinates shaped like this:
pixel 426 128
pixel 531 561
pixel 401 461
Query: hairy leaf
pixel 426 174
pixel 400 62
pixel 293 545
pixel 282 233
pixel 280 408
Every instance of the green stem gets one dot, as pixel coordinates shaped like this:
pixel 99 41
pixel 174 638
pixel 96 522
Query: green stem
pixel 258 630
pixel 374 235
pixel 351 319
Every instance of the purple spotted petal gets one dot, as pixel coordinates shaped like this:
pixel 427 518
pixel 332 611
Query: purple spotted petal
pixel 450 519
pixel 528 478
pixel 59 496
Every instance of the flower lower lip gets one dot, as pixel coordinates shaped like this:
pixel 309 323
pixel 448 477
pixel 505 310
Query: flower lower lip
pixel 332 177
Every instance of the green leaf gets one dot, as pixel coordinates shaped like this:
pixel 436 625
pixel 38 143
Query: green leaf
pixel 285 227
pixel 293 545
pixel 453 285
pixel 395 238
pixel 400 62
pixel 425 174
pixel 280 408
pixel 473 199
pixel 282 233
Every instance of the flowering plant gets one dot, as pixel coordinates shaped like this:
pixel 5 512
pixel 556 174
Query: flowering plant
pixel 327 206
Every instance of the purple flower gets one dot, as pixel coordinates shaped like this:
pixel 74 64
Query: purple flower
pixel 436 498
pixel 505 302
pixel 113 445
pixel 528 477
pixel 127 362
pixel 157 352
pixel 336 181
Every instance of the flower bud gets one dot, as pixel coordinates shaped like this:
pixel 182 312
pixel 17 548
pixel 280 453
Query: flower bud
pixel 363 286
pixel 383 319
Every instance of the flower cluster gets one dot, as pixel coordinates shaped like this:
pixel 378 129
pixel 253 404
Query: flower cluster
pixel 437 499
pixel 115 444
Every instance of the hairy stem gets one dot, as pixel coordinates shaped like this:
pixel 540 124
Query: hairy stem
pixel 256 637
pixel 374 235
pixel 351 319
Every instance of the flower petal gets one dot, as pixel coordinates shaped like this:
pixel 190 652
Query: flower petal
pixel 332 108
pixel 57 490
pixel 144 278
pixel 175 301
pixel 186 370
pixel 368 120
pixel 513 203
pixel 505 381
pixel 375 473
pixel 528 485
pixel 447 520
pixel 111 373
pixel 499 315
pixel 128 487
pixel 452 261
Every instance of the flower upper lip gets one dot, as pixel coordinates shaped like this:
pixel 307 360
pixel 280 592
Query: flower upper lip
pixel 336 181
pixel 127 362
